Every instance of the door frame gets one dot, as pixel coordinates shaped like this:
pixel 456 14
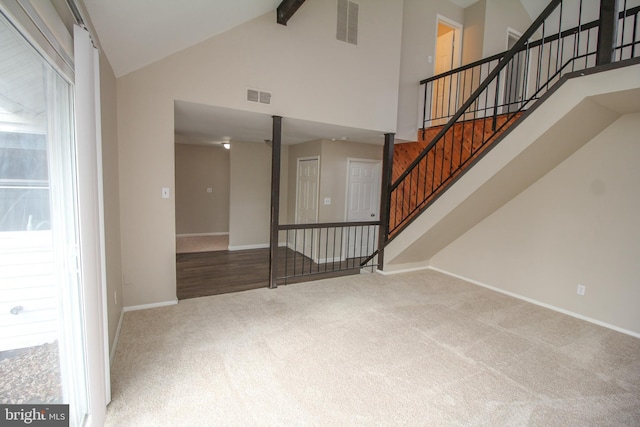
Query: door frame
pixel 457 48
pixel 348 186
pixel 293 245
pixel 377 192
pixel 458 28
pixel 298 160
pixel 511 34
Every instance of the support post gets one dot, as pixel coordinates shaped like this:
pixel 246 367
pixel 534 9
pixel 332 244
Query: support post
pixel 608 31
pixel 385 197
pixel 276 144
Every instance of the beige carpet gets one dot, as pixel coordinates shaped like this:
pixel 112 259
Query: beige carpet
pixel 419 348
pixel 192 244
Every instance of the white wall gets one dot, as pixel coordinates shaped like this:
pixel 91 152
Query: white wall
pixel 312 77
pixel 500 15
pixel 198 168
pixel 576 225
pixel 250 201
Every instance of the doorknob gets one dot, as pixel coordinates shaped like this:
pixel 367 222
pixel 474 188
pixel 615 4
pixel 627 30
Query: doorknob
pixel 17 309
pixel 373 214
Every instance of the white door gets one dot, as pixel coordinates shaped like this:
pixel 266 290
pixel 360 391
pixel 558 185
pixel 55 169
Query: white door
pixel 306 203
pixel 363 204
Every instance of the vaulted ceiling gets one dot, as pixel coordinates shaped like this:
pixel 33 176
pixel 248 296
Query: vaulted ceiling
pixel 135 33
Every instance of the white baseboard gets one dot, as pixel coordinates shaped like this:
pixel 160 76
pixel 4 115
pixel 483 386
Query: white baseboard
pixel 224 233
pixel 539 303
pixel 403 270
pixel 246 247
pixel 152 305
pixel 112 353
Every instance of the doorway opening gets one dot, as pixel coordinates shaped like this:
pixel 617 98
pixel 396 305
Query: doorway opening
pixel 448 54
pixel 516 72
pixel 202 191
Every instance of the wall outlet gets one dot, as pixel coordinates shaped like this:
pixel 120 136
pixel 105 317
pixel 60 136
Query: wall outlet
pixel 581 289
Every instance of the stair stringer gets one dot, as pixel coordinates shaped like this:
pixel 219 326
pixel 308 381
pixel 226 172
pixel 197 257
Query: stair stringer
pixel 572 115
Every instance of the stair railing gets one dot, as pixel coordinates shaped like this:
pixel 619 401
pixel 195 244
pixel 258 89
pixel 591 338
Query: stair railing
pixel 443 93
pixel 558 42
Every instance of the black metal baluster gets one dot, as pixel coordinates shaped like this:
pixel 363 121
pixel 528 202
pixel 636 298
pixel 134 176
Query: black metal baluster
pixel 635 34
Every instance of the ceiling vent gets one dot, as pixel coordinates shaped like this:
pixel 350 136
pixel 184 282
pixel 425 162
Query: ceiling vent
pixel 262 97
pixel 347 28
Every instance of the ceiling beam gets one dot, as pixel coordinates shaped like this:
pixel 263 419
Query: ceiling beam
pixel 286 10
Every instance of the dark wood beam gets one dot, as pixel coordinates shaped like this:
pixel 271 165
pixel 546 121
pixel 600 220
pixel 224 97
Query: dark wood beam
pixel 286 10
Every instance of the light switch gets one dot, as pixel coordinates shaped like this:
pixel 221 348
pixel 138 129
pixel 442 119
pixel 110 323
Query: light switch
pixel 327 200
pixel 165 192
pixel 209 190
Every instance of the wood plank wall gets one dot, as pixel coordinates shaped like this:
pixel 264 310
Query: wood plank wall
pixel 460 145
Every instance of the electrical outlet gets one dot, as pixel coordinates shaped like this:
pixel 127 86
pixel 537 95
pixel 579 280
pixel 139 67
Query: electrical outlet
pixel 581 290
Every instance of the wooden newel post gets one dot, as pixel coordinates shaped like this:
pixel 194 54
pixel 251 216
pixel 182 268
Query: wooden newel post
pixel 608 31
pixel 276 144
pixel 385 196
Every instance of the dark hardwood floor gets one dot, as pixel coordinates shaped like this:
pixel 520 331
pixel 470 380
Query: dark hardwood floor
pixel 212 273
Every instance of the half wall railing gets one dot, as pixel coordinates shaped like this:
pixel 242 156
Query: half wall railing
pixel 326 249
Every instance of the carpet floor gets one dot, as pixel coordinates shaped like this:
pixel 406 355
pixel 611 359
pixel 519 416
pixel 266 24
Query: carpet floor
pixel 418 348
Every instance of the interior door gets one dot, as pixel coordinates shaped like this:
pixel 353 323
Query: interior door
pixel 363 204
pixel 307 204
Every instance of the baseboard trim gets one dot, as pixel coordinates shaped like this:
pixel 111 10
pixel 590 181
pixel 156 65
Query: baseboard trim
pixel 224 233
pixel 152 305
pixel 402 270
pixel 246 247
pixel 116 338
pixel 539 303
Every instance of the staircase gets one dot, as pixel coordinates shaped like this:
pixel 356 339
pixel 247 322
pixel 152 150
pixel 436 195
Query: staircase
pixel 495 95
pixel 446 160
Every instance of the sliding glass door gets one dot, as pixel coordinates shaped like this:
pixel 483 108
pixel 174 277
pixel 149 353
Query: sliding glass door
pixel 41 338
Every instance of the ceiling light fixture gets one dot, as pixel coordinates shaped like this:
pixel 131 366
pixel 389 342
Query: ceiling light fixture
pixel 226 145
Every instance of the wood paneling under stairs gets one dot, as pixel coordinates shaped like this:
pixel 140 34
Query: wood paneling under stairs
pixel 449 157
pixel 212 273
